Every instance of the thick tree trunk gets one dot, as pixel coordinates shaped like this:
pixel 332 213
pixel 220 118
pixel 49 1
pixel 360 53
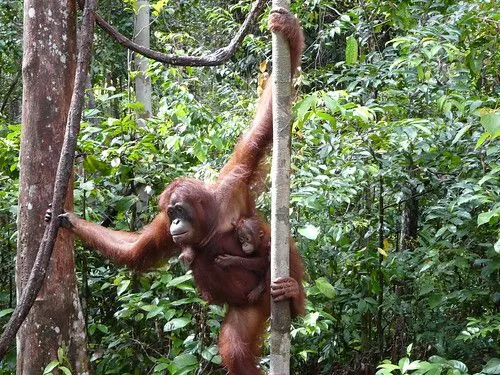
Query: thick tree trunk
pixel 49 62
pixel 141 33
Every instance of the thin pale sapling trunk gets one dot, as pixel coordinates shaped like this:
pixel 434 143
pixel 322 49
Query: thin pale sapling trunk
pixel 142 37
pixel 280 197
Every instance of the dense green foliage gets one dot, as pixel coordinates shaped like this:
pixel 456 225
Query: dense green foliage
pixel 395 186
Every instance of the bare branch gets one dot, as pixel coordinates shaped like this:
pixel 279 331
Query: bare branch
pixel 217 57
pixel 64 170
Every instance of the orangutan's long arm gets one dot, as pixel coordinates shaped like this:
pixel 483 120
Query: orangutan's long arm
pixel 257 264
pixel 139 251
pixel 254 145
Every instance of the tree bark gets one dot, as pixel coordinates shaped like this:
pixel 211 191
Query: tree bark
pixel 49 62
pixel 141 37
pixel 280 198
pixel 380 294
pixel 410 213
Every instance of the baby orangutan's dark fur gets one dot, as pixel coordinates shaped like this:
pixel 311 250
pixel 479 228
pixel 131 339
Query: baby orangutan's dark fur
pixel 255 243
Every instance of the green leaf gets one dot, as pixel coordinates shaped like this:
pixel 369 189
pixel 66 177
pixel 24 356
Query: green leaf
pixel 103 328
pixel 65 370
pixel 160 367
pixel 326 288
pixel 91 165
pixel 52 365
pixel 327 117
pixel 331 101
pixel 309 231
pixel 460 133
pixel 185 360
pixel 491 123
pixel 388 366
pixel 486 217
pixel 351 50
pixel 115 162
pixel 440 232
pixel 458 365
pixel 492 367
pixel 60 355
pixel 415 365
pixel 403 364
pixel 5 312
pixel 179 280
pixel 382 252
pixel 482 139
pixel 363 113
pixel 176 323
pixel 156 311
pixel 211 354
pixel 88 185
pixel 304 106
pixel 437 359
pixel 423 128
pixel 123 287
pixel 435 300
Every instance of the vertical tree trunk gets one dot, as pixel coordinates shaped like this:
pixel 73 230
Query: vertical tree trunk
pixel 366 317
pixel 280 196
pixel 141 36
pixel 409 216
pixel 49 62
pixel 407 242
pixel 380 294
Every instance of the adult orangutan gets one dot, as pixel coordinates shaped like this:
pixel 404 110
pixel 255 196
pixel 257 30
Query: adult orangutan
pixel 200 216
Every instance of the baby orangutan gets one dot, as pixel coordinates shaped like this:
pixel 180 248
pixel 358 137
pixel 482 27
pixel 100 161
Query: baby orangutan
pixel 255 243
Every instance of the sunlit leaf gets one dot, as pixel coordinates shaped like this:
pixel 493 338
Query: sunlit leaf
pixel 458 365
pixel 460 133
pixel 51 366
pixel 123 287
pixel 382 252
pixel 5 312
pixel 491 122
pixel 351 50
pixel 325 287
pixel 309 231
pixel 176 323
pixel 185 360
pixel 492 367
pixel 304 106
pixel 486 217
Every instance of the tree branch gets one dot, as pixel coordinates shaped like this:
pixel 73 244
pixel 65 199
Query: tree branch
pixel 217 57
pixel 64 171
